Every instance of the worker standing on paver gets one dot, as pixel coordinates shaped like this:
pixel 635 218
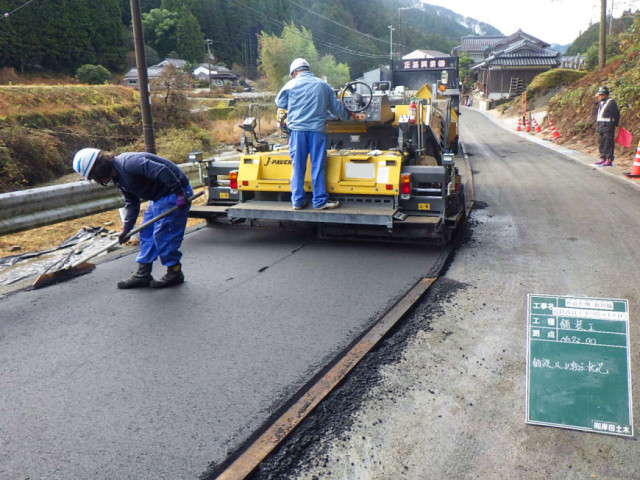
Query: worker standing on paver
pixel 607 119
pixel 141 177
pixel 307 99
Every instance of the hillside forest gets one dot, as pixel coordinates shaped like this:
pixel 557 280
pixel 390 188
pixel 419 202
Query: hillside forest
pixel 62 35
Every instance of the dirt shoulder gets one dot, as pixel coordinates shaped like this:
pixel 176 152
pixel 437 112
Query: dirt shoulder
pixel 583 148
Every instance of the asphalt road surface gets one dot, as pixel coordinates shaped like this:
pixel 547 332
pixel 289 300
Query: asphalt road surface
pixel 99 383
pixel 444 397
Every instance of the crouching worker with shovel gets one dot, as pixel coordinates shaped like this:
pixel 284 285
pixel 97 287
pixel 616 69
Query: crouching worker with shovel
pixel 144 176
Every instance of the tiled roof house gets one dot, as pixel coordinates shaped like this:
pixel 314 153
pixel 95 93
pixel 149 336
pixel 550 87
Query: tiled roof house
pixel 511 63
pixel 131 77
pixel 474 47
pixel 218 75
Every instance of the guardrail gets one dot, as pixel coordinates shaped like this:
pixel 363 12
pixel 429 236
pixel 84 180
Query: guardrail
pixel 38 207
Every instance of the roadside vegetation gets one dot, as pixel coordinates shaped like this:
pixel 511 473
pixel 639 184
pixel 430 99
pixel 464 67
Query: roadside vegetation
pixel 568 96
pixel 42 126
pixel 572 110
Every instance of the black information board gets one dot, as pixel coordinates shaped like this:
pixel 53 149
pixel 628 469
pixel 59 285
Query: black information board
pixel 578 373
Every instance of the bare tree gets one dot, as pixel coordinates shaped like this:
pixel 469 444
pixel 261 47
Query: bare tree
pixel 171 85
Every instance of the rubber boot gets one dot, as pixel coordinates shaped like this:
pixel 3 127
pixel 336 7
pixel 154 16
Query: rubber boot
pixel 140 279
pixel 174 276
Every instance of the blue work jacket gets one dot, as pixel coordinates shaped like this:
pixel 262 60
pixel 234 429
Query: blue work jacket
pixel 307 99
pixel 144 176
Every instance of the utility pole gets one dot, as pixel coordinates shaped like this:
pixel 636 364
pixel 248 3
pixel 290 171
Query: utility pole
pixel 209 42
pixel 611 19
pixel 143 78
pixel 603 35
pixel 391 29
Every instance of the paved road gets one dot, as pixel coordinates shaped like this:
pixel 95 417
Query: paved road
pixel 446 393
pixel 106 384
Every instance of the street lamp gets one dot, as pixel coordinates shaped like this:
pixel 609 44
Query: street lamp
pixel 391 29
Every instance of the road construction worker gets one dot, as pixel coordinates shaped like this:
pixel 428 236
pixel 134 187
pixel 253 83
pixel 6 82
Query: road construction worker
pixel 142 177
pixel 607 119
pixel 307 99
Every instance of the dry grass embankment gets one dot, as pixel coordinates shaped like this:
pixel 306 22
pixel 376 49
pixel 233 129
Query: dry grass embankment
pixel 18 101
pixel 42 126
pixel 573 110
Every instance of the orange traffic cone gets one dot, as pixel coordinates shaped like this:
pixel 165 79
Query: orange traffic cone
pixel 554 131
pixel 519 127
pixel 536 127
pixel 527 124
pixel 635 169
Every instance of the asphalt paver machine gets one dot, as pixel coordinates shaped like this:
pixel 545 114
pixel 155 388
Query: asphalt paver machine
pixel 393 166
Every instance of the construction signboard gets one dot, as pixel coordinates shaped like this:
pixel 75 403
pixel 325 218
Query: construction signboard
pixel 578 373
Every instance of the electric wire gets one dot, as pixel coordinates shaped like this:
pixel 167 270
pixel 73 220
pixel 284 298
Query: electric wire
pixel 321 42
pixel 277 22
pixel 8 14
pixel 366 35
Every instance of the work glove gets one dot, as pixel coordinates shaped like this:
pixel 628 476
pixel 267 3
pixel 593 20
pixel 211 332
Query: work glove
pixel 182 201
pixel 122 236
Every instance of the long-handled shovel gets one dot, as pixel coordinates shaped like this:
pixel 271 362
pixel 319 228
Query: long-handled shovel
pixel 82 266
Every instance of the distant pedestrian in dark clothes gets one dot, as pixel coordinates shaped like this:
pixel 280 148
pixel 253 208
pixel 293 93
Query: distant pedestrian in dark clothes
pixel 607 119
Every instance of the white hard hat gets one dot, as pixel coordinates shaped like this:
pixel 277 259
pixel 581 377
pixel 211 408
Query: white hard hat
pixel 84 161
pixel 297 64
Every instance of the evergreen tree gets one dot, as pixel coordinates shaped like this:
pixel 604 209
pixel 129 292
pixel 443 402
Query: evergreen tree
pixel 190 40
pixel 160 30
pixel 61 35
pixel 125 12
pixel 148 5
pixel 107 35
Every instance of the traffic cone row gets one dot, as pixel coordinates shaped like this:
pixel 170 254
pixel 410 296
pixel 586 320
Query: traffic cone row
pixel 530 124
pixel 635 169
pixel 554 132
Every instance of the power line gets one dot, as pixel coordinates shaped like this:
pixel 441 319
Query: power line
pixel 321 42
pixel 345 26
pixel 337 23
pixel 8 14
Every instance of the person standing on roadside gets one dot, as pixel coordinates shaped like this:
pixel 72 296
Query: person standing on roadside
pixel 307 99
pixel 145 176
pixel 607 119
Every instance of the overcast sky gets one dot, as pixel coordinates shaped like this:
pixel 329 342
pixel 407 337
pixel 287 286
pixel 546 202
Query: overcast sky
pixel 553 21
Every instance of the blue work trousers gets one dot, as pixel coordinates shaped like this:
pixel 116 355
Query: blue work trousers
pixel 301 145
pixel 163 238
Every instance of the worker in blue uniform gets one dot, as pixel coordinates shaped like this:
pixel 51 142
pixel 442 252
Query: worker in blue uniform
pixel 142 177
pixel 307 99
